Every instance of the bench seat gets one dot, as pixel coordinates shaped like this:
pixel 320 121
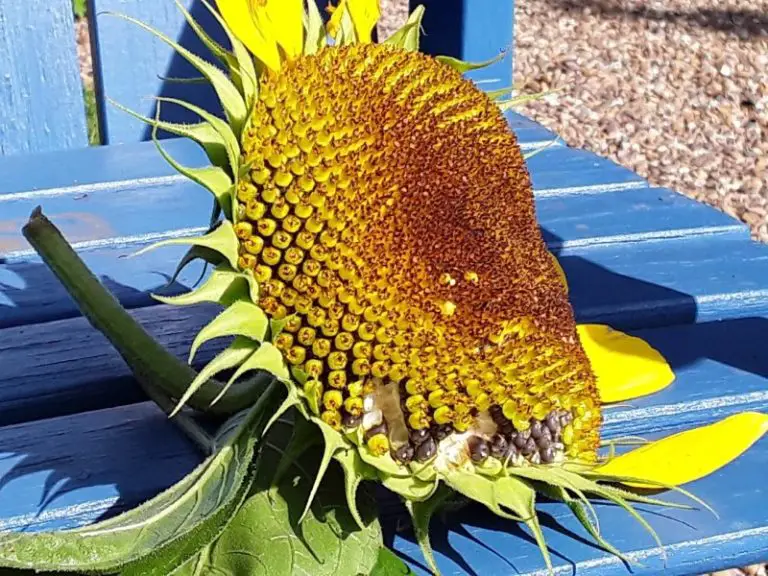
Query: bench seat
pixel 78 442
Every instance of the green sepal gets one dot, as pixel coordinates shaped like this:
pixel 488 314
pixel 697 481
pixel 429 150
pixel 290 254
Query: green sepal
pixel 541 149
pixel 202 133
pixel 315 34
pixel 241 318
pixel 408 37
pixel 291 400
pixel 346 35
pixel 225 130
pixel 224 286
pixel 355 471
pixel 212 178
pixel 230 97
pixel 421 515
pixel 501 494
pixel 265 358
pixel 334 442
pixel 579 508
pixel 276 326
pixel 222 240
pixel 241 68
pixel 462 67
pixel 299 375
pixel 313 392
pixel 410 488
pixel 303 437
pixel 234 355
pixel 383 463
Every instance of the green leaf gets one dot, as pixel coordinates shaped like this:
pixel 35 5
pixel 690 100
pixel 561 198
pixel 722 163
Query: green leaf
pixel 265 539
pixel 388 564
pixel 409 35
pixel 462 67
pixel 230 97
pixel 222 240
pixel 154 538
pixel 241 318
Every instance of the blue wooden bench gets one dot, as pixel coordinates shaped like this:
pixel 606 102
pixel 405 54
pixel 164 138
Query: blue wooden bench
pixel 79 442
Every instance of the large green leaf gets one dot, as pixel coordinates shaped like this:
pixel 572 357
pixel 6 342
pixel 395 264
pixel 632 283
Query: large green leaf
pixel 388 564
pixel 154 538
pixel 265 539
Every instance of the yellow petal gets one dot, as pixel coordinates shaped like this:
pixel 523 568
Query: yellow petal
pixel 240 18
pixel 365 14
pixel 560 271
pixel 689 455
pixel 284 18
pixel 625 366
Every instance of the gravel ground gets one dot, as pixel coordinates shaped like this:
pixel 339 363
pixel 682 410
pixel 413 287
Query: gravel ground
pixel 676 90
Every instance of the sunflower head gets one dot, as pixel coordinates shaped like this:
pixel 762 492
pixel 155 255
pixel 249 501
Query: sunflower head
pixel 377 250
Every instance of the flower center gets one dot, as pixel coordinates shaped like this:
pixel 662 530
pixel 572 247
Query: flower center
pixel 389 217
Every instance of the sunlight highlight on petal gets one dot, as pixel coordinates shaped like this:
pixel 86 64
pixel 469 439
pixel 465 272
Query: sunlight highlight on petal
pixel 626 367
pixel 239 16
pixel 365 14
pixel 689 455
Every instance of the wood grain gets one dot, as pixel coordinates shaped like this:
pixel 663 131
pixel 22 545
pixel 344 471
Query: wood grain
pixel 41 98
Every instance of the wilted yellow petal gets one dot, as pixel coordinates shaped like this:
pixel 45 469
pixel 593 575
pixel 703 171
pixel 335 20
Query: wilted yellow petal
pixel 365 14
pixel 560 271
pixel 239 16
pixel 692 454
pixel 625 366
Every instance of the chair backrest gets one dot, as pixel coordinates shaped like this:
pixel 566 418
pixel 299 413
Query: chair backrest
pixel 41 95
pixel 131 64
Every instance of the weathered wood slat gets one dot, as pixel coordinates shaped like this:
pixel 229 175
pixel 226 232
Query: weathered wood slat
pixel 41 98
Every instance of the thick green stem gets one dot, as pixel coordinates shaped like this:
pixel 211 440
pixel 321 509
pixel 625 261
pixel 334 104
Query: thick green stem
pixel 156 369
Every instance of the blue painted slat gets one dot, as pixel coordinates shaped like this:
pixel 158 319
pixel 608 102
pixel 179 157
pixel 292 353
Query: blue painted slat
pixel 626 283
pixel 61 367
pixel 41 97
pixel 665 282
pixel 61 473
pixel 464 29
pixel 134 67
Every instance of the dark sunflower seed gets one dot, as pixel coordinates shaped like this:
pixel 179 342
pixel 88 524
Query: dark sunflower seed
pixel 553 422
pixel 441 431
pixel 520 441
pixel 478 448
pixel 418 436
pixel 350 421
pixel 426 449
pixel 547 455
pixel 529 448
pixel 499 446
pixel 511 453
pixel 404 454
pixel 535 429
pixel 379 429
pixel 545 439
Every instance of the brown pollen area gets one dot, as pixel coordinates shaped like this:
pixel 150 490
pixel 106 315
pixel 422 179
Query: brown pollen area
pixel 388 211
